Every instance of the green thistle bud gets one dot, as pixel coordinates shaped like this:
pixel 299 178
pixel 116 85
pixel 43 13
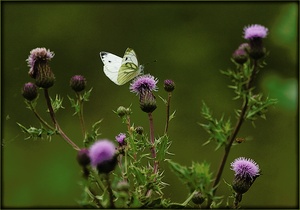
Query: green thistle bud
pixel 30 91
pixel 139 130
pixel 78 83
pixel 121 111
pixel 240 56
pixel 198 198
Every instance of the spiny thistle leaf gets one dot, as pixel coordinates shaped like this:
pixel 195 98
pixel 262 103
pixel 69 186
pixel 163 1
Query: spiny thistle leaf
pixel 57 103
pixel 86 95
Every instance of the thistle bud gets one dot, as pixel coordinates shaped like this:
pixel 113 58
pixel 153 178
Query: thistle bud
pixel 30 91
pixel 121 111
pixel 240 56
pixel 83 157
pixel 78 83
pixel 139 130
pixel 147 102
pixel 198 198
pixel 169 85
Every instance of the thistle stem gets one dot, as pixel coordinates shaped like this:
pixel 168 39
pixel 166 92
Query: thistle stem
pixel 128 123
pixel 98 180
pixel 168 112
pixel 153 151
pixel 188 199
pixel 56 125
pixel 80 114
pixel 152 140
pixel 39 117
pixel 110 192
pixel 234 133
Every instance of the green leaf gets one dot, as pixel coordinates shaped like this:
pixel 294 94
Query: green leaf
pixel 75 104
pixel 92 136
pixel 35 133
pixel 258 107
pixel 172 116
pixel 219 130
pixel 57 103
pixel 162 145
pixel 86 95
pixel 164 100
pixel 196 177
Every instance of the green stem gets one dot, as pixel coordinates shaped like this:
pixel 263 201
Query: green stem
pixel 152 149
pixel 128 123
pixel 234 133
pixel 80 114
pixel 39 117
pixel 188 199
pixel 56 125
pixel 237 200
pixel 110 192
pixel 152 140
pixel 98 180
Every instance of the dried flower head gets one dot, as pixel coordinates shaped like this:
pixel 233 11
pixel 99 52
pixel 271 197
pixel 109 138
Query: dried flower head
pixel 39 67
pixel 143 83
pixel 38 55
pixel 255 31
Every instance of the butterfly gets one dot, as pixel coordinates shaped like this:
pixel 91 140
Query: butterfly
pixel 121 70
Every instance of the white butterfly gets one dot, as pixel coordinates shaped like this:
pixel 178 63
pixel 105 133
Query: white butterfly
pixel 121 70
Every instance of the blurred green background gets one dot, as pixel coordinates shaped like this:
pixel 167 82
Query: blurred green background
pixel 191 43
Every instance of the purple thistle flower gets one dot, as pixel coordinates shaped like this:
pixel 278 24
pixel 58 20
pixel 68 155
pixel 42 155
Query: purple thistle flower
pixel 101 151
pixel 36 54
pixel 143 83
pixel 255 31
pixel 245 168
pixel 121 138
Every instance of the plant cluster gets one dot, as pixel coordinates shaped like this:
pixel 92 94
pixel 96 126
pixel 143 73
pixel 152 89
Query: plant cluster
pixel 126 172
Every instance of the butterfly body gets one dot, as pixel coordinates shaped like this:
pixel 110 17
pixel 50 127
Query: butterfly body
pixel 121 70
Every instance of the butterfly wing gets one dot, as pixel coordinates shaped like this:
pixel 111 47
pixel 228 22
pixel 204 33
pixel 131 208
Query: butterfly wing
pixel 129 67
pixel 112 64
